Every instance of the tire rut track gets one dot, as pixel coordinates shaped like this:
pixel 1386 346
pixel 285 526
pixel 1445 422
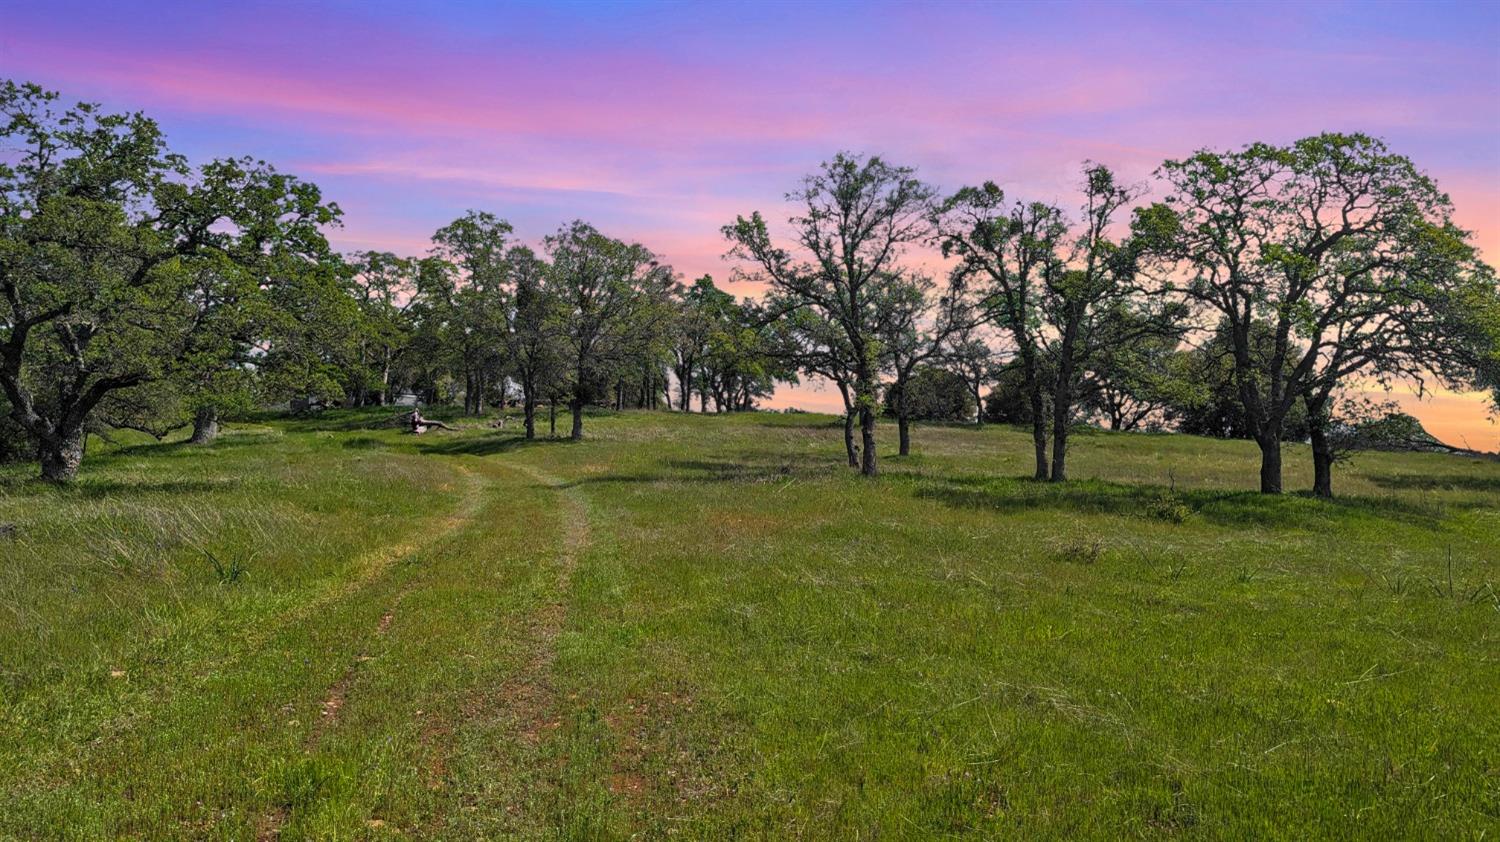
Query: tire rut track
pixel 366 569
pixel 530 697
pixel 526 702
pixel 372 566
pixel 460 520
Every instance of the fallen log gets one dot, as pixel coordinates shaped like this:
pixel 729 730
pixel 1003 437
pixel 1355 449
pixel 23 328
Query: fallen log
pixel 419 425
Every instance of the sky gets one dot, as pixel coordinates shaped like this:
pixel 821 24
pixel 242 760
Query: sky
pixel 660 122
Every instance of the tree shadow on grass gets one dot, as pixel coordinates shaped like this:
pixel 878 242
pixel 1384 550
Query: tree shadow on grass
pixel 365 418
pixel 795 422
pixel 1222 508
pixel 756 469
pixel 484 445
pixel 335 420
pixel 365 443
pixel 93 489
pixel 1438 482
pixel 764 467
pixel 181 448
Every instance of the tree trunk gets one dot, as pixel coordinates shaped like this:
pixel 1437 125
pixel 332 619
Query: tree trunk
pixel 205 425
pixel 1322 448
pixel 1039 439
pixel 1061 412
pixel 903 419
pixel 1038 421
pixel 1322 451
pixel 1270 462
pixel 869 467
pixel 61 455
pixel 552 417
pixel 978 409
pixel 1059 454
pixel 529 409
pixel 576 405
pixel 850 450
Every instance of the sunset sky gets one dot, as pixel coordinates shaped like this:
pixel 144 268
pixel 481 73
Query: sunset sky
pixel 659 122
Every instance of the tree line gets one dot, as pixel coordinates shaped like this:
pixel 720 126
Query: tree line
pixel 138 291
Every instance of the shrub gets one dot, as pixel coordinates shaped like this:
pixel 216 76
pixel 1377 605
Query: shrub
pixel 1169 507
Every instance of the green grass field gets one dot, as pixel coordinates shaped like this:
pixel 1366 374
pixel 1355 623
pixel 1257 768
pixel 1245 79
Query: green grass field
pixel 706 627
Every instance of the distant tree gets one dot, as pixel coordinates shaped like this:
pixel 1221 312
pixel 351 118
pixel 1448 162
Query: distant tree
pixel 697 310
pixel 1006 249
pixel 1205 400
pixel 554 391
pixel 1009 400
pixel 807 341
pixel 639 369
pixel 472 297
pixel 385 286
pixel 1341 247
pixel 1132 383
pixel 534 333
pixel 740 365
pixel 969 352
pixel 859 215
pixel 913 330
pixel 430 358
pixel 612 295
pixel 934 394
pixel 1361 423
pixel 97 222
pixel 1364 424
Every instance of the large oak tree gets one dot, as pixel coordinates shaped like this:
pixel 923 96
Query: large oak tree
pixel 859 216
pixel 101 234
pixel 1341 249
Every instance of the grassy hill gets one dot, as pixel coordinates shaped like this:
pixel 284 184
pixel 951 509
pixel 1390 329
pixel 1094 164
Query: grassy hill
pixel 705 626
